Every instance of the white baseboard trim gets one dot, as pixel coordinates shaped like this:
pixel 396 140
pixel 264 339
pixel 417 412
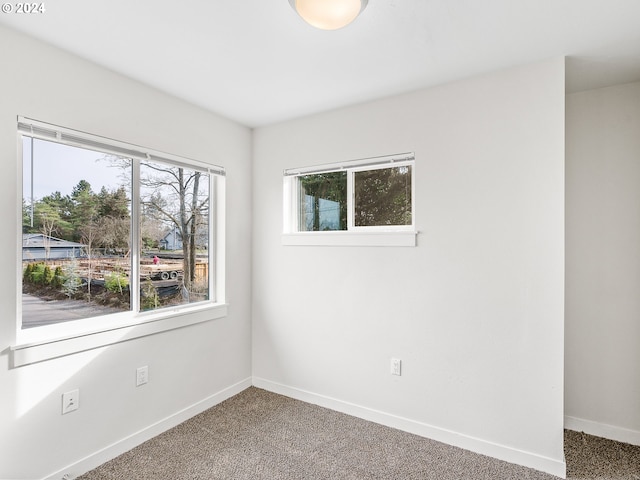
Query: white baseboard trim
pixel 603 430
pixel 477 445
pixel 98 458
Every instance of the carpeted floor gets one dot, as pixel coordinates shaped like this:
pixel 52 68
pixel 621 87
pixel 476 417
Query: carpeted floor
pixel 591 458
pixel 258 435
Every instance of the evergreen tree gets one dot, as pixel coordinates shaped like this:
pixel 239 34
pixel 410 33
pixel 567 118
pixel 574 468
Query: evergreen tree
pixel 84 207
pixel 113 203
pixel 330 186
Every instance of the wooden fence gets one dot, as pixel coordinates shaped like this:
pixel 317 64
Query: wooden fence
pixel 100 267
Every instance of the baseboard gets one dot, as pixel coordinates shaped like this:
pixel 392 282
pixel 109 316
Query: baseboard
pixel 98 458
pixel 603 430
pixel 501 452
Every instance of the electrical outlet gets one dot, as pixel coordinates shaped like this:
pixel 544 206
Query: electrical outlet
pixel 396 366
pixel 142 375
pixel 70 401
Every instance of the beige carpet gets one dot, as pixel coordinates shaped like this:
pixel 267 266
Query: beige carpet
pixel 591 458
pixel 261 435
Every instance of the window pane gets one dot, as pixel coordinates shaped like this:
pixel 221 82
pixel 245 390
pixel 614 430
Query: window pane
pixel 174 235
pixel 383 197
pixel 323 202
pixel 75 233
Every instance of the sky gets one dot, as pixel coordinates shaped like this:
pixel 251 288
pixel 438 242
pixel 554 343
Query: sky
pixel 59 167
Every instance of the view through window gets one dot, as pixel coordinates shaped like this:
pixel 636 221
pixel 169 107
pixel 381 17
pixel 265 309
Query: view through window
pixel 382 196
pixel 323 202
pixel 96 242
pixel 359 197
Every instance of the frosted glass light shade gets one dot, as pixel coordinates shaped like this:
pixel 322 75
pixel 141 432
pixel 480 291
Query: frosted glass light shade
pixel 328 14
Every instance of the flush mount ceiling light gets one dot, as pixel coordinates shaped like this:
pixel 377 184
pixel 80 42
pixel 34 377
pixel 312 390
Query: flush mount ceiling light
pixel 328 14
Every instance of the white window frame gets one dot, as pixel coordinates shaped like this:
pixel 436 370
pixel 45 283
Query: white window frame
pixel 45 342
pixel 378 235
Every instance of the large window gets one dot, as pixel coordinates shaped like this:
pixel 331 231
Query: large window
pixel 372 195
pixel 111 230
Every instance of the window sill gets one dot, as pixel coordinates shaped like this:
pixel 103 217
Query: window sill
pixel 351 239
pixel 156 322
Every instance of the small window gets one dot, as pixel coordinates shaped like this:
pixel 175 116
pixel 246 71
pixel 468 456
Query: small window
pixel 382 197
pixel 365 195
pixel 323 202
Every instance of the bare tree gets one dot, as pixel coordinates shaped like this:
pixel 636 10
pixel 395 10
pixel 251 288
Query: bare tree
pixel 48 225
pixel 89 234
pixel 173 198
pixel 114 234
pixel 177 198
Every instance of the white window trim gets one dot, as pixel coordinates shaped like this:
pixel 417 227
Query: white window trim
pixel 158 322
pixel 378 236
pixel 42 343
pixel 351 239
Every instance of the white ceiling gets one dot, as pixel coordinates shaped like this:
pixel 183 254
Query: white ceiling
pixel 257 62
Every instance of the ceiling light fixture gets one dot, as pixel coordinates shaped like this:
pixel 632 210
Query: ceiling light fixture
pixel 328 14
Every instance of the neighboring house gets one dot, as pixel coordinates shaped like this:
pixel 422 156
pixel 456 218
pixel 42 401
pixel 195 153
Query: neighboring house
pixel 35 246
pixel 171 241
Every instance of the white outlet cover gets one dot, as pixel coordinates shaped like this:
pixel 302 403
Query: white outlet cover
pixel 142 375
pixel 396 366
pixel 70 401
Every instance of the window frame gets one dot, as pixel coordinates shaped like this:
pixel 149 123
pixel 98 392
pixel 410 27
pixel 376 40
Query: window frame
pixel 43 342
pixel 377 235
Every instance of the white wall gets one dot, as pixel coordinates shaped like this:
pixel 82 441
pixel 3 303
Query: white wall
pixel 195 364
pixel 475 311
pixel 603 262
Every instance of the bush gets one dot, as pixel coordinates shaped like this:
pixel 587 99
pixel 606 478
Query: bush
pixel 47 275
pixel 37 274
pixel 28 272
pixel 150 298
pixel 58 277
pixel 43 275
pixel 116 282
pixel 70 278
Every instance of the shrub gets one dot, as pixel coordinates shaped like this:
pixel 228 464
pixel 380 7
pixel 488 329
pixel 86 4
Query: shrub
pixel 37 274
pixel 70 278
pixel 58 277
pixel 28 273
pixel 47 275
pixel 150 297
pixel 115 282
